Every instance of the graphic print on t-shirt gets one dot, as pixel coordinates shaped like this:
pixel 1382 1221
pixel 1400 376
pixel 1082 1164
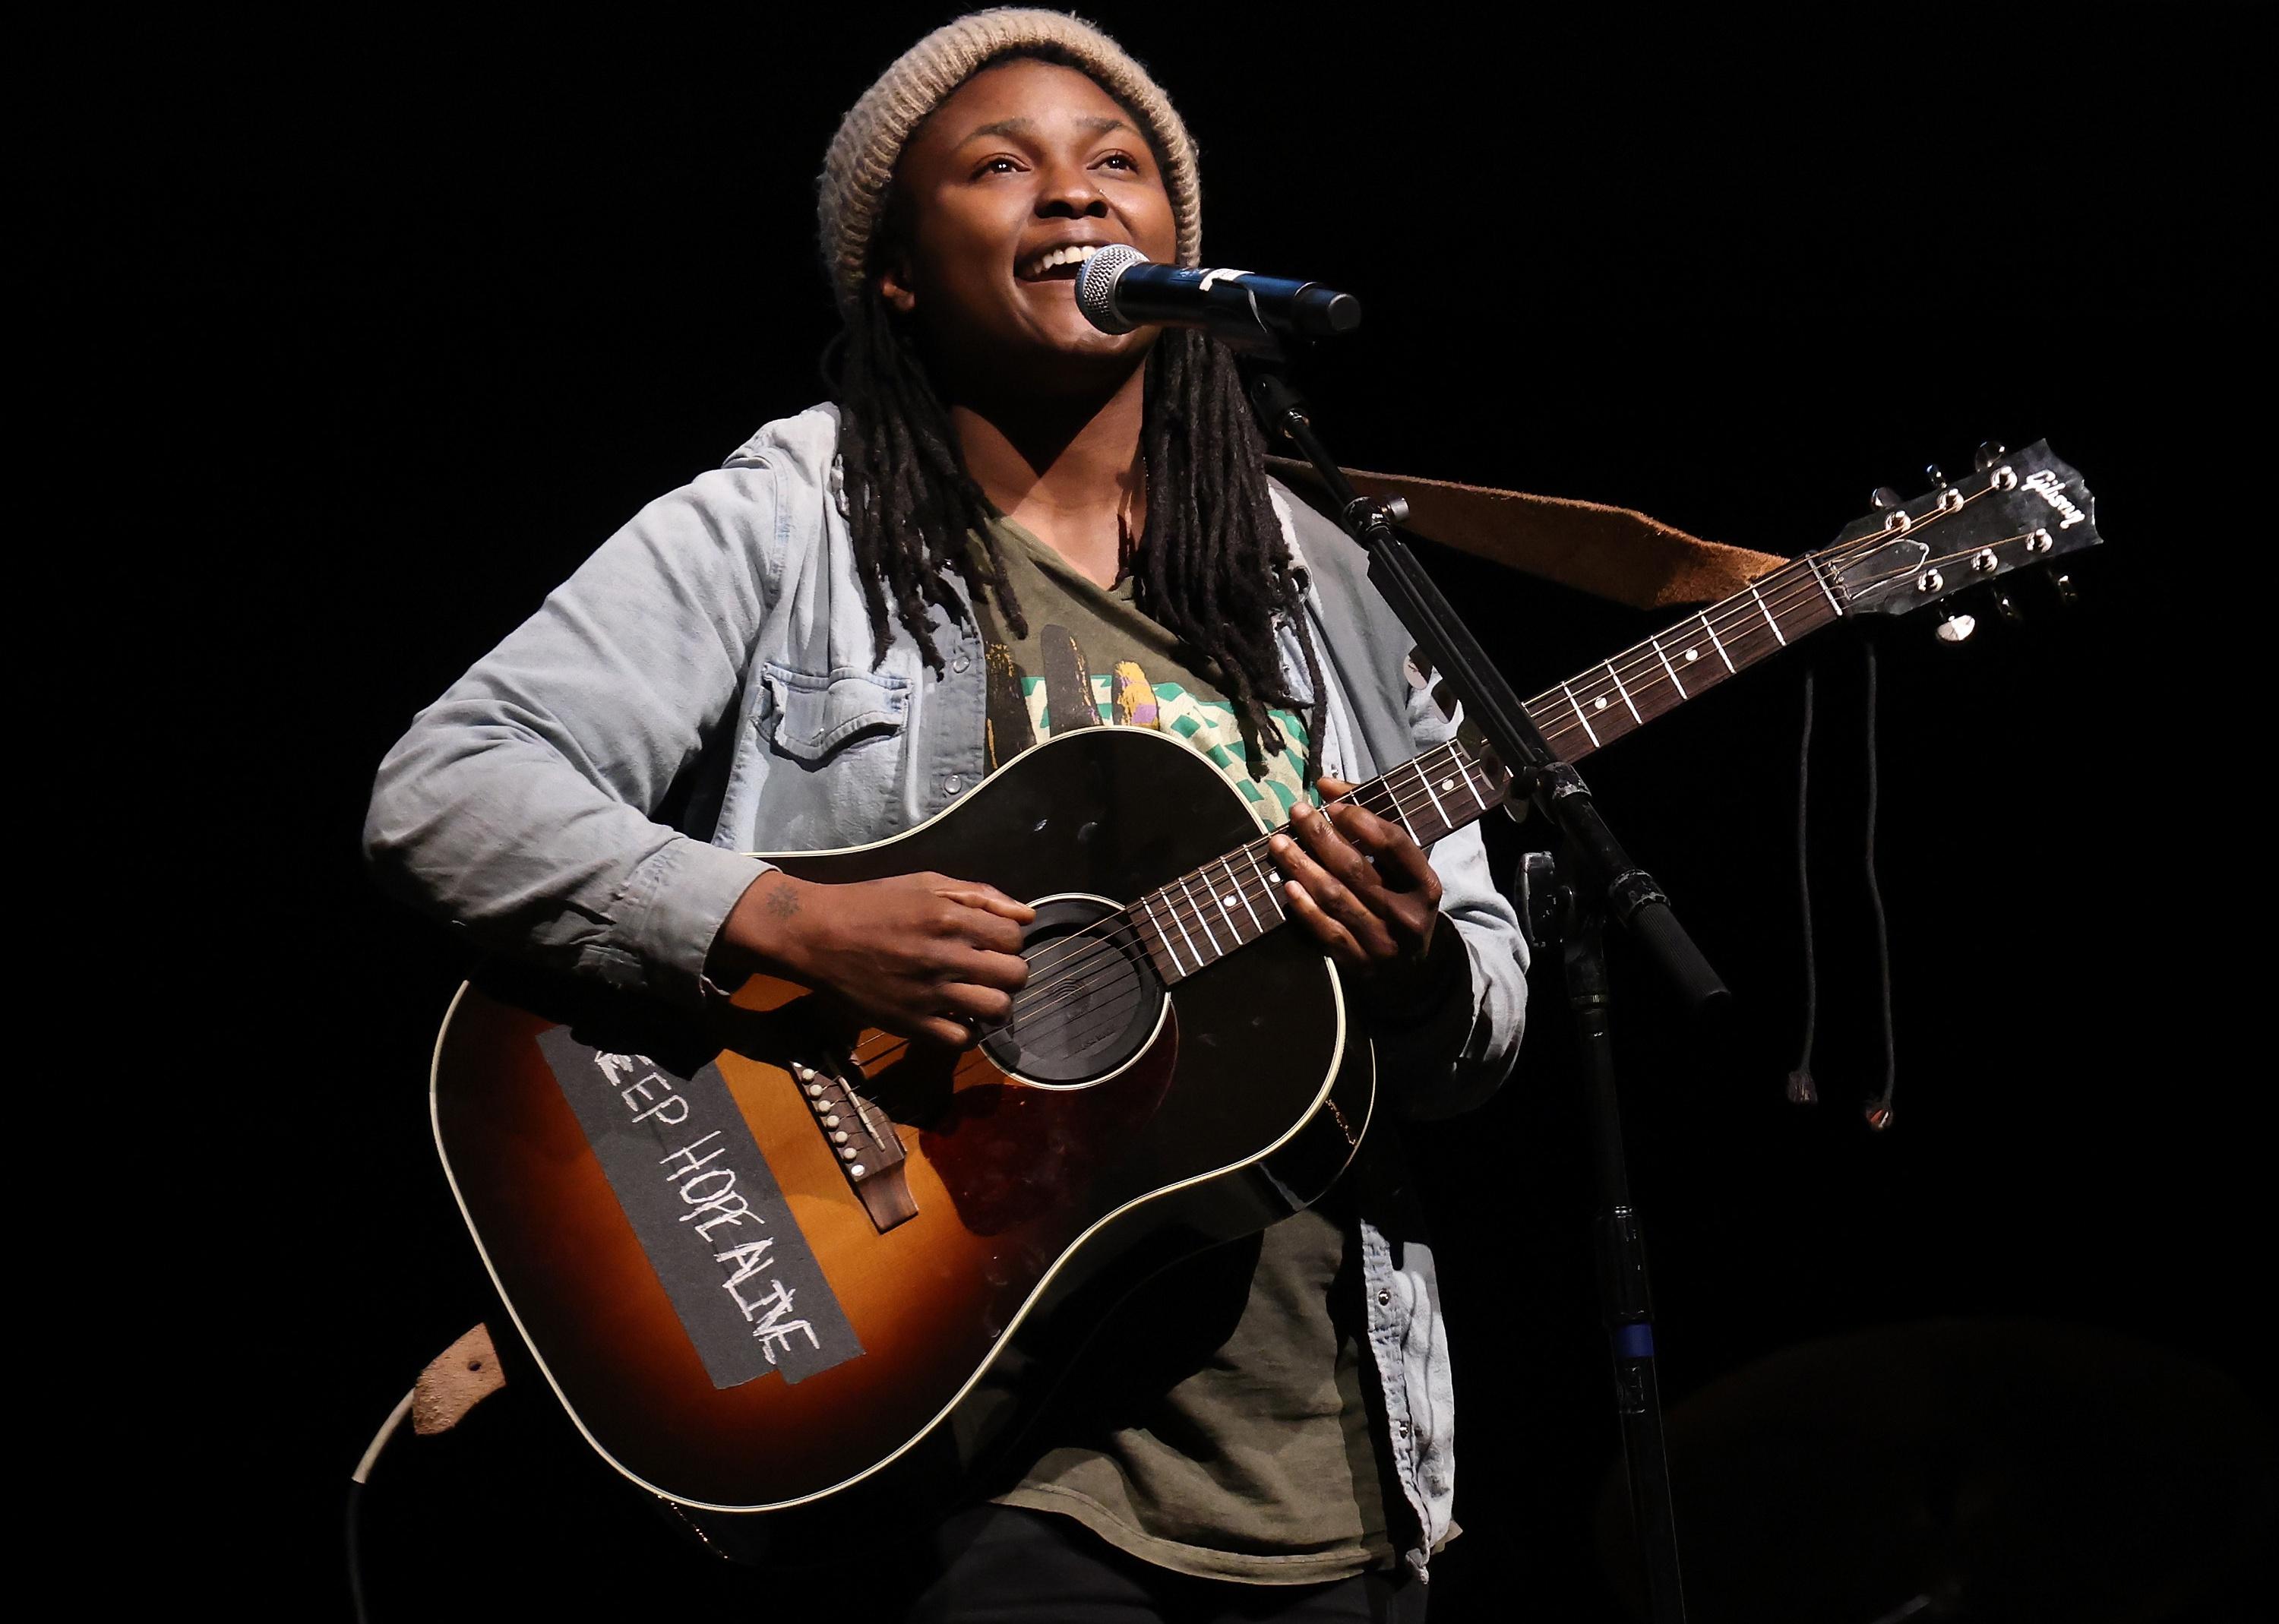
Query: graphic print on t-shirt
pixel 1025 709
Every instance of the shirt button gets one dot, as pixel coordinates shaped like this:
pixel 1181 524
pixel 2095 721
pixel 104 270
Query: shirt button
pixel 952 784
pixel 1404 1429
pixel 1385 1300
pixel 959 664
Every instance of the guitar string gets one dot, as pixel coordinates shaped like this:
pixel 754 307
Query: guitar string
pixel 1366 796
pixel 1122 921
pixel 1076 985
pixel 1786 597
pixel 1068 981
pixel 1640 657
pixel 1644 657
pixel 1098 946
pixel 1451 748
pixel 1192 915
pixel 1648 654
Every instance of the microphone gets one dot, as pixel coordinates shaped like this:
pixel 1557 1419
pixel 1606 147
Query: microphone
pixel 1121 289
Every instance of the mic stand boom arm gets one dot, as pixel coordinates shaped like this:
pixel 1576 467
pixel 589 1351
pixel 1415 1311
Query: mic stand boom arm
pixel 1631 898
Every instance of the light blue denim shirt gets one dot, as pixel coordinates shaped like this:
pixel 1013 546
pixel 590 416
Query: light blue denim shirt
pixel 717 654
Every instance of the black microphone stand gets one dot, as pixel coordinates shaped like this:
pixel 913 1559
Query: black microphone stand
pixel 1596 881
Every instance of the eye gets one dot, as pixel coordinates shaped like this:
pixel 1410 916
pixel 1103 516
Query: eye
pixel 1123 159
pixel 998 165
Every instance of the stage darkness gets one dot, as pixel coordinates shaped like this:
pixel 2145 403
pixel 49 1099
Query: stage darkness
pixel 443 314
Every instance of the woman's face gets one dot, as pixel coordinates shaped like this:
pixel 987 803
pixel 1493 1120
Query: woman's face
pixel 1026 158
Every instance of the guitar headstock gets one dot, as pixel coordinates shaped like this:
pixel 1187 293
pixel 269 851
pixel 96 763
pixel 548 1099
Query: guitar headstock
pixel 2018 508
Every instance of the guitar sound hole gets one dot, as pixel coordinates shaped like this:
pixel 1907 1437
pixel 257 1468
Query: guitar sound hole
pixel 1092 1002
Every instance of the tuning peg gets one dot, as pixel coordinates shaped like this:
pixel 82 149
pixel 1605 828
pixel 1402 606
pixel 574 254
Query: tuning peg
pixel 1932 472
pixel 2062 588
pixel 1989 452
pixel 2006 607
pixel 1883 497
pixel 1957 628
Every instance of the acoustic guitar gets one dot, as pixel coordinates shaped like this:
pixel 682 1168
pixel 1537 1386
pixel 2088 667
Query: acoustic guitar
pixel 761 1258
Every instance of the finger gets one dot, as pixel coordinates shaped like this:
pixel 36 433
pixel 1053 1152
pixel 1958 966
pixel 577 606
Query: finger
pixel 1414 872
pixel 925 1029
pixel 1333 849
pixel 949 1034
pixel 974 893
pixel 1007 970
pixel 991 932
pixel 1399 861
pixel 1332 897
pixel 964 999
pixel 1351 814
pixel 1364 829
pixel 1411 920
pixel 1325 930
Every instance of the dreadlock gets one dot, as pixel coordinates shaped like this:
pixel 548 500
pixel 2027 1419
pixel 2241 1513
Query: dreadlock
pixel 1212 536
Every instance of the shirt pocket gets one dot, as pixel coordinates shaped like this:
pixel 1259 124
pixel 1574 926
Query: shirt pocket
pixel 811 717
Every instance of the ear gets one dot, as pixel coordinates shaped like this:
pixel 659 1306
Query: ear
pixel 895 282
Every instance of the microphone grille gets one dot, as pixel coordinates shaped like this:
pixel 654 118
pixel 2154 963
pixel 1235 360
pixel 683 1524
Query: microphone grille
pixel 1095 289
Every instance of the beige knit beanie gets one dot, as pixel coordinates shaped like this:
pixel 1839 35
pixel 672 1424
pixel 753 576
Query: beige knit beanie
pixel 863 154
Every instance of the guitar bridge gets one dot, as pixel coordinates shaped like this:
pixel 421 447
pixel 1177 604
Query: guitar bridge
pixel 863 1140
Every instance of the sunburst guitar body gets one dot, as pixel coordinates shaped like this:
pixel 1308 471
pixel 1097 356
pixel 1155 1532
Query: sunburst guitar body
pixel 760 1257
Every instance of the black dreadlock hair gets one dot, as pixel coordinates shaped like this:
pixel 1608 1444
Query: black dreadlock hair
pixel 1212 566
pixel 1212 540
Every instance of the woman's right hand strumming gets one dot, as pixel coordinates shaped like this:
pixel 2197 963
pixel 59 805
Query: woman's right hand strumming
pixel 921 954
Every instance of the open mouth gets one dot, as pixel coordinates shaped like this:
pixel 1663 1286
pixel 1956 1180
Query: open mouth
pixel 1063 264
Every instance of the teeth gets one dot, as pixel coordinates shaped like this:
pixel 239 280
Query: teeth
pixel 1075 256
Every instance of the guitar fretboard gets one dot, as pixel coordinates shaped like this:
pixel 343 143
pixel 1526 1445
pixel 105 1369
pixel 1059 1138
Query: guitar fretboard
pixel 1208 912
pixel 1652 679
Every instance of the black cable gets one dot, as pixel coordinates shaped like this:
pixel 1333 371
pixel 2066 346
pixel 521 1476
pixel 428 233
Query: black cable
pixel 1801 1088
pixel 353 1530
pixel 355 1551
pixel 1878 1110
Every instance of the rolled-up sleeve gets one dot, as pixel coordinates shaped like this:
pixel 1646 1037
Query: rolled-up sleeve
pixel 519 804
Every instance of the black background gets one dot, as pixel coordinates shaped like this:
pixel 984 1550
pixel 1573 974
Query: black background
pixel 455 307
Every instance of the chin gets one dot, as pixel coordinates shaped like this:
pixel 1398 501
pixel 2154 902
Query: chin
pixel 1078 353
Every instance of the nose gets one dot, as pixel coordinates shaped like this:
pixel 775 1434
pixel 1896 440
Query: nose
pixel 1068 193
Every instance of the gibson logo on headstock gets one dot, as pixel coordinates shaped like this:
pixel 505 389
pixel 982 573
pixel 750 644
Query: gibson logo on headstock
pixel 2051 489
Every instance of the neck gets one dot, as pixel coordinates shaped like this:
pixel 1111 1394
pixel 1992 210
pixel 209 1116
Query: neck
pixel 1064 469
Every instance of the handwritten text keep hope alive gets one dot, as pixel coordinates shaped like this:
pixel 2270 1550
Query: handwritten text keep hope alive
pixel 714 1204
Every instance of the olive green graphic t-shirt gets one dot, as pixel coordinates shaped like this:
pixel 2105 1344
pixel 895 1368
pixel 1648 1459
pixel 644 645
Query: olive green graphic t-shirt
pixel 1092 659
pixel 1237 1446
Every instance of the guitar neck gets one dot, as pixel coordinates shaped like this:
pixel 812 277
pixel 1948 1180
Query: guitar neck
pixel 1655 678
pixel 1208 912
